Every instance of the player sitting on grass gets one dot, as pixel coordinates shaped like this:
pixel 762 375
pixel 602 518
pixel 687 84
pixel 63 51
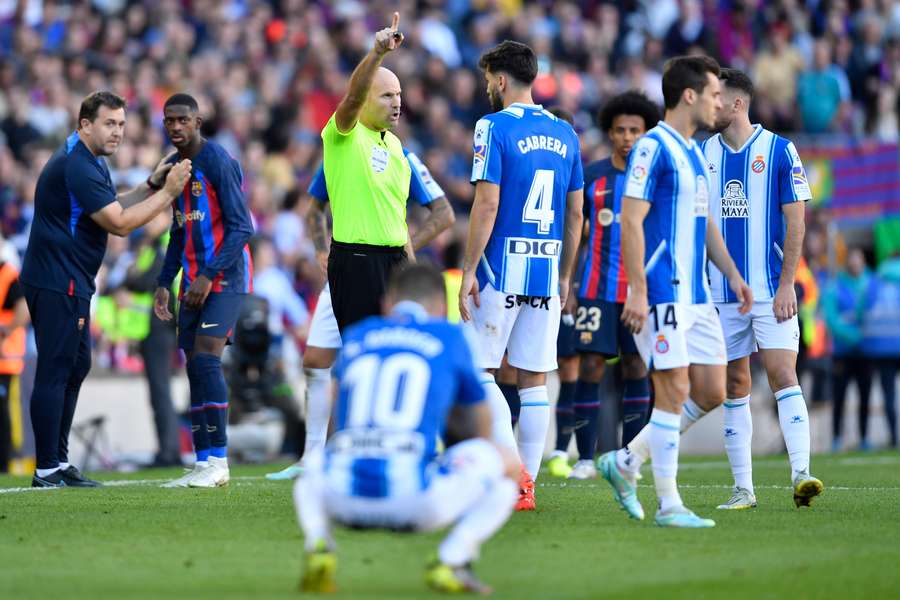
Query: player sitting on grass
pixel 404 379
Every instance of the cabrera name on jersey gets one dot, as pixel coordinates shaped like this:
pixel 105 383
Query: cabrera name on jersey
pixel 535 159
pixel 749 187
pixel 670 173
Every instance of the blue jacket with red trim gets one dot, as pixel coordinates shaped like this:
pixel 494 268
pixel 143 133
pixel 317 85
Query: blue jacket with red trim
pixel 211 227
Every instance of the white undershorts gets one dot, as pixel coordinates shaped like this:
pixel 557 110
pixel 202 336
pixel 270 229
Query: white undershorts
pixel 323 331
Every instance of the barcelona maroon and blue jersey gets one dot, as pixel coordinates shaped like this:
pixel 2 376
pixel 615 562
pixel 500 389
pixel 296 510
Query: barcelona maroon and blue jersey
pixel 212 226
pixel 603 274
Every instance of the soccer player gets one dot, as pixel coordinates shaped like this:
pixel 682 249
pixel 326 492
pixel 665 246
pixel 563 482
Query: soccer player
pixel 517 266
pixel 759 198
pixel 403 380
pixel 324 338
pixel 600 333
pixel 666 235
pixel 75 207
pixel 208 241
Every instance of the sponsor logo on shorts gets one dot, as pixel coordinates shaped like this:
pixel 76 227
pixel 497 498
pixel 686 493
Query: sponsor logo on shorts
pixel 662 345
pixel 532 301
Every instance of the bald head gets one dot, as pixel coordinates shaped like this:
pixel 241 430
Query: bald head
pixel 382 108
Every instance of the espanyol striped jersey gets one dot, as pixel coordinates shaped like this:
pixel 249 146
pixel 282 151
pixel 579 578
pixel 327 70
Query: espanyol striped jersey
pixel 670 173
pixel 399 377
pixel 535 159
pixel 749 187
pixel 603 274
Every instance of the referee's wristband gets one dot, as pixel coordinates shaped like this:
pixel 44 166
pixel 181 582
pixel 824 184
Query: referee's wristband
pixel 152 185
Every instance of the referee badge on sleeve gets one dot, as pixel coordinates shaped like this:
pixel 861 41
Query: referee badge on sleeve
pixel 379 159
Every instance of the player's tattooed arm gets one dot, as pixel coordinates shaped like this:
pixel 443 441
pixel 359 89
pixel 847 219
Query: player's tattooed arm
pixel 348 110
pixel 440 217
pixel 785 303
pixel 317 228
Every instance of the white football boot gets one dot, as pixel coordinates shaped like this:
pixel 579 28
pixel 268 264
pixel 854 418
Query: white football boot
pixel 216 475
pixel 184 480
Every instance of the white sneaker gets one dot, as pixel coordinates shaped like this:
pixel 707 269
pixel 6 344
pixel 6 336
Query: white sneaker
pixel 583 469
pixel 185 479
pixel 215 475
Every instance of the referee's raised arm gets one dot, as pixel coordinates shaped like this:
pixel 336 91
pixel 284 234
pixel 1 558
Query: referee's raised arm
pixel 348 111
pixel 367 177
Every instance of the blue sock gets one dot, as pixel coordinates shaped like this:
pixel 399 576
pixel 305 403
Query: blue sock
pixel 565 415
pixel 198 415
pixel 587 413
pixel 635 408
pixel 215 401
pixel 511 393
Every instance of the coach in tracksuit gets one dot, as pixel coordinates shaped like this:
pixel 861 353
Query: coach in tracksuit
pixel 75 207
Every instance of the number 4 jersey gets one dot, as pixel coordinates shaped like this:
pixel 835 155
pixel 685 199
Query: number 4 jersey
pixel 399 377
pixel 535 159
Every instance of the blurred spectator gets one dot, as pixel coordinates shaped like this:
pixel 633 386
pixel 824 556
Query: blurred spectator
pixel 819 95
pixel 881 334
pixel 842 306
pixel 775 77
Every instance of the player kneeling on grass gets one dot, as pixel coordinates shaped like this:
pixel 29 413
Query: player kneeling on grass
pixel 403 380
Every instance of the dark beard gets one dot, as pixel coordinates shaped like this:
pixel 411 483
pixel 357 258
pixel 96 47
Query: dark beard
pixel 496 100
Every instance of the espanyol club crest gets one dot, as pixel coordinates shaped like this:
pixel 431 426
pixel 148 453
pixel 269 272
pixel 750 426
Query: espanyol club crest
pixel 196 188
pixel 662 345
pixel 758 164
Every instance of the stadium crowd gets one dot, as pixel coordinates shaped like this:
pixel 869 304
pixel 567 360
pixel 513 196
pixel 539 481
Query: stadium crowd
pixel 268 76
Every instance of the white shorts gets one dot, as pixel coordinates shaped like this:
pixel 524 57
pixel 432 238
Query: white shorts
pixel 459 479
pixel 679 335
pixel 323 331
pixel 525 326
pixel 745 334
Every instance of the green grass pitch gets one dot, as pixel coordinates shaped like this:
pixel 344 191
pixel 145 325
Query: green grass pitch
pixel 134 540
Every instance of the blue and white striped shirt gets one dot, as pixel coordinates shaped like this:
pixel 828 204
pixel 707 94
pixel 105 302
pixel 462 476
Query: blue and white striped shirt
pixel 670 173
pixel 749 187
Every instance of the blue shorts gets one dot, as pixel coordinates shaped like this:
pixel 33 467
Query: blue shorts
pixel 565 339
pixel 599 329
pixel 216 318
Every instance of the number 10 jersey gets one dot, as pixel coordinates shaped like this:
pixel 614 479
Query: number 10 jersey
pixel 535 159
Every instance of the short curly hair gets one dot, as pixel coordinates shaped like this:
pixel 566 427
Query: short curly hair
pixel 632 102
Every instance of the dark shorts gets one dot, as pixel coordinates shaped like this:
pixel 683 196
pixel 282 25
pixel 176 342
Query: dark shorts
pixel 599 329
pixel 565 339
pixel 357 277
pixel 216 318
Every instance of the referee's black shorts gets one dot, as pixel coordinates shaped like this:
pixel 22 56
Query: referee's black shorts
pixel 358 276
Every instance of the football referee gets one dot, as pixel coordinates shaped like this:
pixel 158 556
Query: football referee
pixel 75 206
pixel 367 177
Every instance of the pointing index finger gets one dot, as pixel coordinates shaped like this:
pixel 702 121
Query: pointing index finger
pixel 395 22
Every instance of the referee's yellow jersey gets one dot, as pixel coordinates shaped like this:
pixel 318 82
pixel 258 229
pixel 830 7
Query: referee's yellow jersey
pixel 367 177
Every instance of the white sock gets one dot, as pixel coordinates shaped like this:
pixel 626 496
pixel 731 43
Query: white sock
pixel 738 439
pixel 632 457
pixel 664 441
pixel 794 426
pixel 690 414
pixel 502 427
pixel 479 523
pixel 318 409
pixel 45 472
pixel 309 491
pixel 534 420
